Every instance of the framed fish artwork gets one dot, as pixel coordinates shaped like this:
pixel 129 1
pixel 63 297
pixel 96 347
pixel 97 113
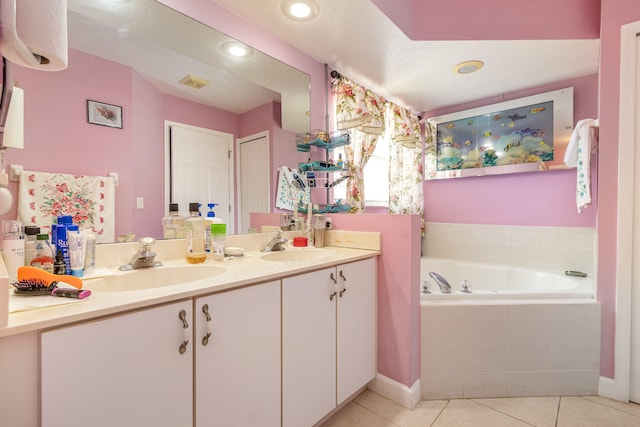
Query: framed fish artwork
pixel 523 135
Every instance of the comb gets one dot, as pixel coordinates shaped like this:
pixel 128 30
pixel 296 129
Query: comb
pixel 45 279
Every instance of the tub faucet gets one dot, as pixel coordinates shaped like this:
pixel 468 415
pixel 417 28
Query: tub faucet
pixel 276 244
pixel 145 257
pixel 445 287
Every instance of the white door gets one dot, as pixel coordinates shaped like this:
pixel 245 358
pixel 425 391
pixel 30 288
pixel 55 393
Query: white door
pixel 201 169
pixel 238 365
pixel 308 347
pixel 126 370
pixel 356 332
pixel 254 173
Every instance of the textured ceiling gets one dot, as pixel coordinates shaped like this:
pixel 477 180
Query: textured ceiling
pixel 358 40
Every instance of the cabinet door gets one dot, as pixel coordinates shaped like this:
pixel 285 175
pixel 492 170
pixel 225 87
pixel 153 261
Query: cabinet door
pixel 237 371
pixel 122 371
pixel 356 332
pixel 308 348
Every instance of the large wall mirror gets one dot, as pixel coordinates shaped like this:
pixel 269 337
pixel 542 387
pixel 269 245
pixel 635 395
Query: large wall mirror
pixel 134 54
pixel 166 47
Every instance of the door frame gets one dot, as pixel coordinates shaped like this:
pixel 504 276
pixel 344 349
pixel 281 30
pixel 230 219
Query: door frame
pixel 626 188
pixel 239 141
pixel 167 166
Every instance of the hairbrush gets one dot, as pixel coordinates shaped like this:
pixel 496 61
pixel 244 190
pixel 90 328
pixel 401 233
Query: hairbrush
pixel 44 278
pixel 33 287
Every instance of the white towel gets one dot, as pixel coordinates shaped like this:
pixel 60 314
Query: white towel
pixel 90 200
pixel 578 155
pixel 287 194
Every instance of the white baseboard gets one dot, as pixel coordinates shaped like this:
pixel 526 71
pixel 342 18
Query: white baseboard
pixel 607 388
pixel 395 391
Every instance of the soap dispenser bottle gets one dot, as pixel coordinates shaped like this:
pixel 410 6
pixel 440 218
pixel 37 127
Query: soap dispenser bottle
pixel 195 234
pixel 216 232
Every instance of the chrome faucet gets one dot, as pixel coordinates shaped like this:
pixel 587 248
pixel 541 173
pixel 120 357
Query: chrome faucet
pixel 445 287
pixel 276 244
pixel 145 257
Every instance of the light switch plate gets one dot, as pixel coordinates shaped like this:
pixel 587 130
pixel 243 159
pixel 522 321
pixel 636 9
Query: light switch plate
pixel 140 202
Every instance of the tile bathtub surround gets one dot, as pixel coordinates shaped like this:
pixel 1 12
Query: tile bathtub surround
pixel 474 351
pixel 371 410
pixel 545 248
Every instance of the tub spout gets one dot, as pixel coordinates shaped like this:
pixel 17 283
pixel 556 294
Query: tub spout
pixel 445 287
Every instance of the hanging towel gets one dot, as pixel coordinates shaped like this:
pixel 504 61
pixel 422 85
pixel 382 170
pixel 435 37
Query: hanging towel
pixel 578 155
pixel 90 200
pixel 288 194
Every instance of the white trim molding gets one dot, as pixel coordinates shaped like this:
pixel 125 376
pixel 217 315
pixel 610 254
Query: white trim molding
pixel 403 395
pixel 626 190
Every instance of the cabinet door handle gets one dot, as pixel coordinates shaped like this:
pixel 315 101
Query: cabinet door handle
pixel 335 285
pixel 344 286
pixel 205 310
pixel 185 332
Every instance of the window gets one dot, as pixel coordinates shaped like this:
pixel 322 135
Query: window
pixel 376 175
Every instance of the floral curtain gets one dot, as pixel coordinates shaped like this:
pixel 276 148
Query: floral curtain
pixel 359 111
pixel 405 163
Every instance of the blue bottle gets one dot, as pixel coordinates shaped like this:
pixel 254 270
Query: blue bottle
pixel 62 243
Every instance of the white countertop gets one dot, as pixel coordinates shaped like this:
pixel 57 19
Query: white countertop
pixel 238 272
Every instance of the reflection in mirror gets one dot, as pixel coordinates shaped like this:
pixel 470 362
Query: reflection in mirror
pixel 148 49
pixel 529 134
pixel 176 54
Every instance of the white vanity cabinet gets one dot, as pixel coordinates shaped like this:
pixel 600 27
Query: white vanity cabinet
pixel 328 339
pixel 237 356
pixel 129 370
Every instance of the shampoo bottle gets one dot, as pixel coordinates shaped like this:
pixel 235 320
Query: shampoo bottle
pixel 195 235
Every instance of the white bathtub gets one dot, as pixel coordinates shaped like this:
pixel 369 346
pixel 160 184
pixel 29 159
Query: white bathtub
pixel 519 332
pixel 501 282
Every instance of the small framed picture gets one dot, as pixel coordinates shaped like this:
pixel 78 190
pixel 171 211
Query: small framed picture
pixel 99 113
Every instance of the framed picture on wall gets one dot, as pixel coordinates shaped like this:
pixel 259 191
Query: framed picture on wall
pixel 528 134
pixel 99 113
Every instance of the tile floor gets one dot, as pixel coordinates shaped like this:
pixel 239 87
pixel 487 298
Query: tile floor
pixel 371 410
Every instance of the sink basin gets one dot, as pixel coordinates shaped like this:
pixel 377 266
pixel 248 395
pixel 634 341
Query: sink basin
pixel 150 278
pixel 297 255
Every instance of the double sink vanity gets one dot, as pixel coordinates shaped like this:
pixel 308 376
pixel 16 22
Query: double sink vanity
pixel 268 339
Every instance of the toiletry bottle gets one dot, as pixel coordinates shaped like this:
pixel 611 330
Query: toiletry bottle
pixel 340 161
pixel 173 224
pixel 59 266
pixel 90 251
pixel 211 219
pixel 30 233
pixel 77 250
pixel 43 256
pixel 195 235
pixel 218 234
pixel 62 244
pixel 168 226
pixel 12 247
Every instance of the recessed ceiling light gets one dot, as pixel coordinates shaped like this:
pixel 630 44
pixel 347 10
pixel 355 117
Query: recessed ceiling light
pixel 300 10
pixel 236 49
pixel 468 67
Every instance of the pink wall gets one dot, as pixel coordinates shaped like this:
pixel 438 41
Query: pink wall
pixel 543 199
pixel 494 19
pixel 398 288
